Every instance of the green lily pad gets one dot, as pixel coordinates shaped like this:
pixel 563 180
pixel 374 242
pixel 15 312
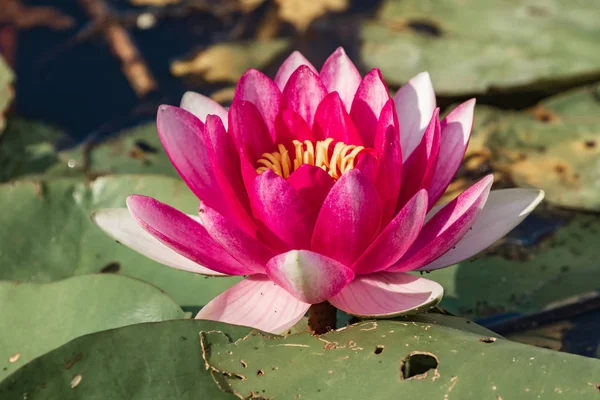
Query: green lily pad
pixel 531 279
pixel 473 46
pixel 39 317
pixel 47 234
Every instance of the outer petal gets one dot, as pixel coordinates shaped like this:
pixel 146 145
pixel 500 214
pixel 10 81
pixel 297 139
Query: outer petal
pixel 258 89
pixel 332 121
pixel 248 129
pixel 446 227
pixel 303 93
pixel 349 219
pixel 256 302
pixel 312 184
pixel 340 75
pixel 456 130
pixel 235 241
pixel 182 234
pixel 121 226
pixel 386 294
pixel 371 96
pixel 504 210
pixel 201 106
pixel 415 102
pixel 288 67
pixel 309 277
pixel 396 238
pixel 282 210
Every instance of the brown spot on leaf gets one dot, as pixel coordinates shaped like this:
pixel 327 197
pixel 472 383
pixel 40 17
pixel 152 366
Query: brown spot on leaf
pixel 111 268
pixel 487 339
pixel 69 363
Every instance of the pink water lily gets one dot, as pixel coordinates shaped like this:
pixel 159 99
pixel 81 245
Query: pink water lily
pixel 318 186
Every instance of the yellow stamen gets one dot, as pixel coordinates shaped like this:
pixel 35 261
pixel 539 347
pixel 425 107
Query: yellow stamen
pixel 343 158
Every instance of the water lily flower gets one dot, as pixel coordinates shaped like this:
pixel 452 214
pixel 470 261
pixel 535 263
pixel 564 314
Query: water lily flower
pixel 318 186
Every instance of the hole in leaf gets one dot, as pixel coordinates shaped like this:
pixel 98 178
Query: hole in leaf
pixel 378 349
pixel 260 372
pixel 145 146
pixel 424 27
pixel 244 364
pixel 111 268
pixel 487 339
pixel 416 365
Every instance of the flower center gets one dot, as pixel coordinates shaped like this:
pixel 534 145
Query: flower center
pixel 341 159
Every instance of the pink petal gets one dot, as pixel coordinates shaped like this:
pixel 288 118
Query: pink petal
pixel 503 210
pixel 281 209
pixel 415 102
pixel 340 75
pixel 248 129
pixel 389 169
pixel 181 134
pixel 386 294
pixel 420 166
pixel 332 121
pixel 396 238
pixel 456 130
pixel 121 226
pixel 201 106
pixel 235 241
pixel 303 93
pixel 290 126
pixel 183 234
pixel 256 88
pixel 291 64
pixel 446 227
pixel 309 277
pixel 312 184
pixel 258 303
pixel 371 96
pixel 349 219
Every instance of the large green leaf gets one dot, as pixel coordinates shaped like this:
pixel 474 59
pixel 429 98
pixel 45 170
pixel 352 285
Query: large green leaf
pixel 530 279
pixel 38 317
pixel 473 46
pixel 47 235
pixel 383 360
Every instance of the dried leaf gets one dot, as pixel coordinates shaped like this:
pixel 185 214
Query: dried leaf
pixel 15 13
pixel 6 90
pixel 301 13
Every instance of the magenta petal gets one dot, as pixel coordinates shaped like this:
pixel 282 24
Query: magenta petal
pixel 385 294
pixel 332 121
pixel 201 106
pixel 340 75
pixel 415 102
pixel 309 277
pixel 258 89
pixel 235 241
pixel 290 126
pixel 456 130
pixel 291 64
pixel 303 93
pixel 349 219
pixel 182 234
pixel 446 227
pixel 248 129
pixel 256 302
pixel 371 96
pixel 420 166
pixel 312 184
pixel 388 175
pixel 281 209
pixel 396 238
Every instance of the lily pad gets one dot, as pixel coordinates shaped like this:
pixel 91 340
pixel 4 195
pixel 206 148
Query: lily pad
pixel 39 317
pixel 47 234
pixel 472 46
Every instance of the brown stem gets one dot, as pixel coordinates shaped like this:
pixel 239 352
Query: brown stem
pixel 321 318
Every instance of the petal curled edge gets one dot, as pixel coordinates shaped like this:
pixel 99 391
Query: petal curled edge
pixel 386 294
pixel 120 225
pixel 183 234
pixel 201 106
pixel 291 64
pixel 308 276
pixel 503 211
pixel 256 302
pixel 340 75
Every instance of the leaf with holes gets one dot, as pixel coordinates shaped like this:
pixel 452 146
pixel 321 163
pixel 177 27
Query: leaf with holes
pixel 39 317
pixel 472 46
pixel 47 234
